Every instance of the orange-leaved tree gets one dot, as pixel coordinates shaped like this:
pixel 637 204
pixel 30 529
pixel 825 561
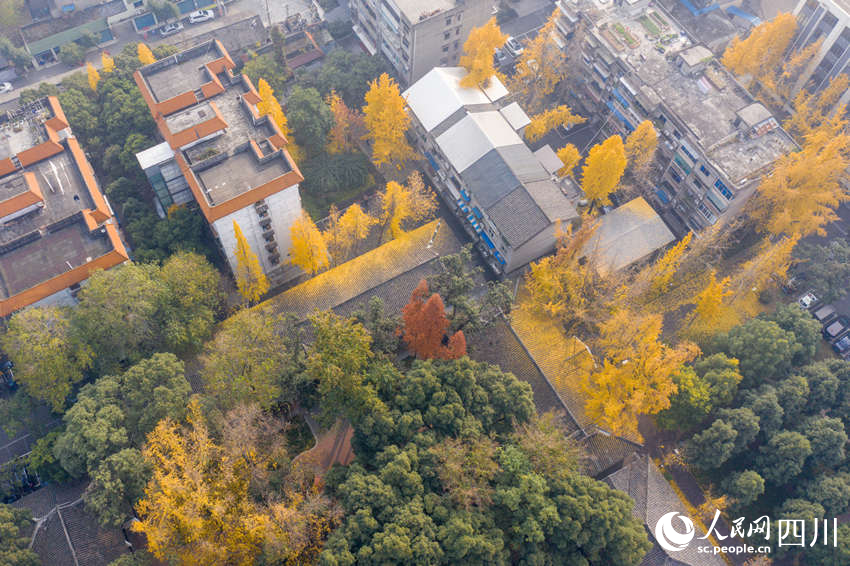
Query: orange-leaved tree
pixel 636 376
pixel 308 249
pixel 549 120
pixel 348 126
pixel 640 146
pixel 426 324
pixel 478 51
pixel 386 122
pixel 146 56
pixel 570 157
pixel 250 278
pixel 603 169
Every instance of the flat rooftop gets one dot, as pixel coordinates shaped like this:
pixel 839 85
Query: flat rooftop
pixel 416 10
pixel 54 253
pixel 650 42
pixel 239 173
pixel 23 128
pixel 181 72
pixel 240 125
pixel 65 194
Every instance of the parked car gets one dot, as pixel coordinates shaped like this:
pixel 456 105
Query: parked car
pixel 7 376
pixel 836 328
pixel 842 345
pixel 500 58
pixel 170 29
pixel 6 87
pixel 514 47
pixel 808 300
pixel 201 16
pixel 824 313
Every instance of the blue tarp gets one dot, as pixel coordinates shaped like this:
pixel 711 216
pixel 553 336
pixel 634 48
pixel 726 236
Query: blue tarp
pixel 619 96
pixel 477 212
pixel 736 11
pixel 499 257
pixel 487 239
pixel 698 12
pixel 465 195
pixel 619 115
pixel 432 161
pixel 662 196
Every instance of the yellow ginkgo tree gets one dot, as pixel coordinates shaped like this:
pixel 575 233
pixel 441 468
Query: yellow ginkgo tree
pixel 107 62
pixel 640 147
pixel 549 120
pixel 250 278
pixel 478 51
pixel 386 122
pixel 309 250
pixel 93 76
pixel 146 56
pixel 603 169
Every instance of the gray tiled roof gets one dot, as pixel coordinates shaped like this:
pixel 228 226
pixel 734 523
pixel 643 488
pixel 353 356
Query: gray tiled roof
pixel 490 178
pixel 518 217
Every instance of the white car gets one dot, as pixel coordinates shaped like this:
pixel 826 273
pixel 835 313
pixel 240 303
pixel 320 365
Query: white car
pixel 808 300
pixel 170 29
pixel 201 16
pixel 514 47
pixel 6 87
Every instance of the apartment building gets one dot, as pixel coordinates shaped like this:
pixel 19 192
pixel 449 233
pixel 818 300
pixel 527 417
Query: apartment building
pixel 56 226
pixel 503 195
pixel 417 36
pixel 633 62
pixel 827 20
pixel 219 153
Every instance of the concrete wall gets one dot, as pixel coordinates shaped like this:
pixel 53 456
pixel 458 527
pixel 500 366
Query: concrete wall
pixel 284 208
pixel 429 37
pixel 539 245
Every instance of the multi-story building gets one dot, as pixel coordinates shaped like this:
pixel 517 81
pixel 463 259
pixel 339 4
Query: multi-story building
pixel 634 63
pixel 56 227
pixel 505 198
pixel 417 36
pixel 829 21
pixel 220 153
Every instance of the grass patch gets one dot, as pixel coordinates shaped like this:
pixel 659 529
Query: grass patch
pixel 317 205
pixel 649 25
pixel 625 35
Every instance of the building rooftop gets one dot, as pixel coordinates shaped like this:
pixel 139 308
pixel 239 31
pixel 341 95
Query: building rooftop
pixel 208 116
pixel 416 10
pixel 627 234
pixel 662 57
pixel 56 225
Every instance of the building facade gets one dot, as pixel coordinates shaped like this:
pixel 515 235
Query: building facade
pixel 632 63
pixel 221 154
pixel 417 36
pixel 56 226
pixel 503 195
pixel 829 21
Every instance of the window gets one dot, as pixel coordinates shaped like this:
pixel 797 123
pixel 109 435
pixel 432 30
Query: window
pixel 677 134
pixel 445 48
pixel 447 35
pixel 457 43
pixel 723 189
pixel 705 171
pixel 138 3
pixel 457 31
pixel 675 176
pixel 444 61
pixel 449 21
pixel 663 118
pixel 686 150
pixel 697 183
pixel 459 16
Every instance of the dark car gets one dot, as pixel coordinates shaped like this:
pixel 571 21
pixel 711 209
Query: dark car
pixel 824 314
pixel 836 328
pixel 842 345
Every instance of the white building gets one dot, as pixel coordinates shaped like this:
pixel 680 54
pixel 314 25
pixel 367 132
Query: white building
pixel 417 36
pixel 502 193
pixel 828 20
pixel 220 154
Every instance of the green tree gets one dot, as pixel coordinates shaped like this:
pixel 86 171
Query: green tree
pixel 828 440
pixel 764 403
pixel 247 363
pixel 455 283
pixel 793 395
pixel 48 358
pixel 346 73
pixel 116 484
pixel 72 54
pixel 310 119
pixel 116 315
pixel 137 558
pixel 44 462
pixel 18 56
pixel 782 458
pixel 15 526
pixel 829 555
pixel 746 425
pixel 722 376
pixel 382 326
pixel 823 386
pixel 691 403
pixel 806 330
pixel 710 448
pixel 163 10
pixel 118 411
pixel 191 300
pixel 763 349
pixel 745 487
pixel 832 491
pixel 279 45
pixel 827 267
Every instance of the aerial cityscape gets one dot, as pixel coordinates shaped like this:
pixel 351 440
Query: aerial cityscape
pixel 447 282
